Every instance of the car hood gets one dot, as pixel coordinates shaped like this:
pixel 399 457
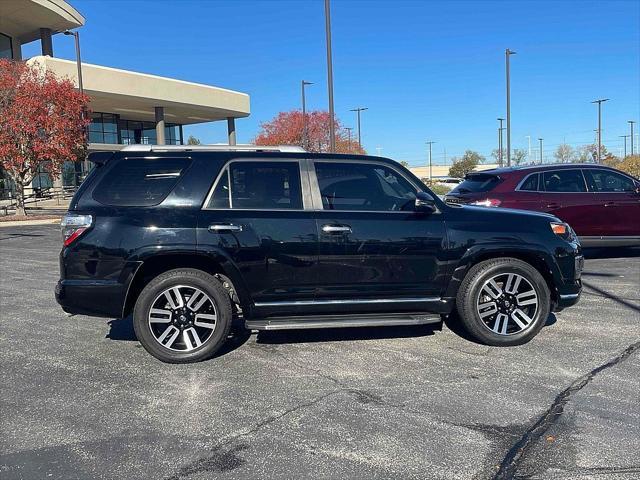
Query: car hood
pixel 496 213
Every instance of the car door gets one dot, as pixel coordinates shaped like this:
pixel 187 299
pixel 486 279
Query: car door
pixel 614 202
pixel 373 246
pixel 255 213
pixel 565 196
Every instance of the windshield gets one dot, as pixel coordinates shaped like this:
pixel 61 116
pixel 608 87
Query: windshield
pixel 477 182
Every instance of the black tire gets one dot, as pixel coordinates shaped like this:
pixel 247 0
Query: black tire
pixel 471 293
pixel 186 279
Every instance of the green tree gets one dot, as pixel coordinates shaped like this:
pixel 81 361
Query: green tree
pixel 193 140
pixel 465 164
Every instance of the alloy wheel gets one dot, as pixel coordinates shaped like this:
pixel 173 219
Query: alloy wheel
pixel 182 318
pixel 507 304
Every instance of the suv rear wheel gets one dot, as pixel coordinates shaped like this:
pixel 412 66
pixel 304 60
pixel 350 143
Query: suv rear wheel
pixel 182 316
pixel 503 302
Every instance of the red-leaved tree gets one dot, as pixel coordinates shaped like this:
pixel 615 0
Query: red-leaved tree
pixel 41 124
pixel 287 129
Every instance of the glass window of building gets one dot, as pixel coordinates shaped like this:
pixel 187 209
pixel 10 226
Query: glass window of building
pixel 5 46
pixel 103 128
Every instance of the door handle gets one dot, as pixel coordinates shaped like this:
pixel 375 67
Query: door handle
pixel 610 204
pixel 553 205
pixel 336 229
pixel 224 228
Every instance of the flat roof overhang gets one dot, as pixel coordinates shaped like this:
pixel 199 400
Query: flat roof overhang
pixel 23 19
pixel 134 95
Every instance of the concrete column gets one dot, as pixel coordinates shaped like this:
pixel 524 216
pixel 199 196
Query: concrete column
pixel 160 126
pixel 16 49
pixel 231 128
pixel 46 41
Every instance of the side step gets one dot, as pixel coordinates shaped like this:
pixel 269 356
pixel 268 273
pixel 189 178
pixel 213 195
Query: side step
pixel 343 321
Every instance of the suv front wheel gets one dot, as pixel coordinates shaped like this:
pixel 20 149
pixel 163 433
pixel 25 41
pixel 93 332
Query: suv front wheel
pixel 503 302
pixel 182 316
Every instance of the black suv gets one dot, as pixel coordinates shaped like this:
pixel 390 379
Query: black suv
pixel 189 238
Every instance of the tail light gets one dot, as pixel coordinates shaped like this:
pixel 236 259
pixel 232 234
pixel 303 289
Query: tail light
pixel 74 225
pixel 487 202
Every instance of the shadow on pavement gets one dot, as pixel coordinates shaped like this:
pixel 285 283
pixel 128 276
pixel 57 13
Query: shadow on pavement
pixel 619 252
pixel 603 293
pixel 346 334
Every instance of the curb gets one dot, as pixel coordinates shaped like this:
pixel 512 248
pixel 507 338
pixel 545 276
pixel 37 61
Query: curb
pixel 20 223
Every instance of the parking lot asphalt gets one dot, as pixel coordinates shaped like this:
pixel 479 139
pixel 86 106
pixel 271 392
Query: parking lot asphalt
pixel 80 399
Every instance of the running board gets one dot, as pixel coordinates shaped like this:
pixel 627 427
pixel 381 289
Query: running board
pixel 342 321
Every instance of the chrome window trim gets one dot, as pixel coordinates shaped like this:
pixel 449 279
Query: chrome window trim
pixel 317 196
pixel 347 301
pixel 306 206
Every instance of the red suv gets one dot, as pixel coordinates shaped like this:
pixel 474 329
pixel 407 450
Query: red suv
pixel 601 204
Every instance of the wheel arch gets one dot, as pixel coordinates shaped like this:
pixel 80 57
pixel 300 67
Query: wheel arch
pixel 213 264
pixel 538 258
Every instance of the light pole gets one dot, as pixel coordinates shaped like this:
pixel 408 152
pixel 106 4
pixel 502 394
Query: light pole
pixel 304 114
pixel 631 122
pixel 358 110
pixel 528 137
pixel 500 141
pixel 600 102
pixel 378 150
pixel 430 164
pixel 507 54
pixel 541 149
pixel 83 113
pixel 332 127
pixel 348 129
pixel 624 139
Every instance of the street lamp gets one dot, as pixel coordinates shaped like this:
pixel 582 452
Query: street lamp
pixel 76 36
pixel 358 110
pixel 430 164
pixel 528 137
pixel 507 54
pixel 332 127
pixel 624 139
pixel 631 122
pixel 600 102
pixel 541 149
pixel 304 114
pixel 348 129
pixel 500 141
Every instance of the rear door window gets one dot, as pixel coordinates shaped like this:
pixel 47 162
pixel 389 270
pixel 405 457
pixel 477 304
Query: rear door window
pixel 530 184
pixel 567 181
pixel 140 182
pixel 601 181
pixel 258 186
pixel 477 182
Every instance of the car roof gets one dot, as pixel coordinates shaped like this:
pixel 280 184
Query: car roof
pixel 539 168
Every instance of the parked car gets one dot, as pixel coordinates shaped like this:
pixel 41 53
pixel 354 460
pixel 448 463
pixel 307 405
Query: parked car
pixel 187 239
pixel 601 204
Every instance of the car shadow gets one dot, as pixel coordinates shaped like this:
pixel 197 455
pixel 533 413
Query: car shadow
pixel 121 329
pixel 593 253
pixel 454 324
pixel 345 334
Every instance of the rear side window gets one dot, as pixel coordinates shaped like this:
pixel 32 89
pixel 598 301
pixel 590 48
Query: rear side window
pixel 140 182
pixel 530 184
pixel 477 182
pixel 601 180
pixel 564 181
pixel 258 186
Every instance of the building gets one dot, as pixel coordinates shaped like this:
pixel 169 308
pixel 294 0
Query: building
pixel 443 170
pixel 128 107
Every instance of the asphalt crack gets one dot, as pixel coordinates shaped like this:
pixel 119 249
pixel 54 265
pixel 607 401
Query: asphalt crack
pixel 518 451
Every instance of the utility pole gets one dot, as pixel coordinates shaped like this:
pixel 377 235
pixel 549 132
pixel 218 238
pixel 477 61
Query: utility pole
pixel 528 137
pixel 600 102
pixel 378 150
pixel 430 163
pixel 508 53
pixel 83 113
pixel 631 122
pixel 541 150
pixel 624 138
pixel 304 114
pixel 332 127
pixel 358 110
pixel 500 141
pixel 348 129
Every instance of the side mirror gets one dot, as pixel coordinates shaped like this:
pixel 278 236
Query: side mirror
pixel 425 203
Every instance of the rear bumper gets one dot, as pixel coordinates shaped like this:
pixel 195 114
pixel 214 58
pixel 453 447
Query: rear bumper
pixel 97 298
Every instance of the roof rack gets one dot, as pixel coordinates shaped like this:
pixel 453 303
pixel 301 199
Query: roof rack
pixel 213 148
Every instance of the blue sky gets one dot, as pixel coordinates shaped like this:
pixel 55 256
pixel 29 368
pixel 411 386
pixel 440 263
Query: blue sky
pixel 426 70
